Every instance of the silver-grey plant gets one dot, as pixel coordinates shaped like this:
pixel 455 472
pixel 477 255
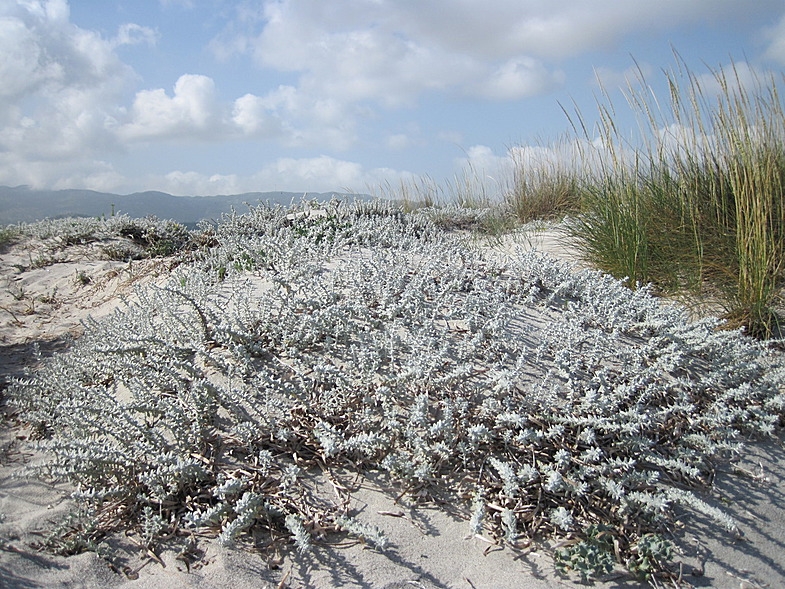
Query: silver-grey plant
pixel 354 335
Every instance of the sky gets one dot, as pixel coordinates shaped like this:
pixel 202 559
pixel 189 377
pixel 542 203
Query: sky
pixel 205 97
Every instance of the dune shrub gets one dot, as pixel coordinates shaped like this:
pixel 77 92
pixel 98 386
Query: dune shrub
pixel 312 340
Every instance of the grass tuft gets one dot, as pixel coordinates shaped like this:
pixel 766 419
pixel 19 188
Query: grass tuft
pixel 696 204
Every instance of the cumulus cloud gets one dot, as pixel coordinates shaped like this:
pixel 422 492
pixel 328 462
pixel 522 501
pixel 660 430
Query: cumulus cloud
pixel 60 90
pixel 41 51
pixel 66 96
pixel 253 117
pixel 482 172
pixel 197 183
pixel 352 52
pixel 64 89
pixel 60 96
pixel 93 174
pixel 733 77
pixel 608 78
pixel 495 174
pixel 548 30
pixel 519 78
pixel 320 171
pixel 192 110
pixel 298 118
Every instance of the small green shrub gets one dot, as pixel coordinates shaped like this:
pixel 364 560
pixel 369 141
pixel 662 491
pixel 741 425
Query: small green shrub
pixel 158 238
pixel 591 557
pixel 542 188
pixel 123 251
pixel 649 554
pixel 8 235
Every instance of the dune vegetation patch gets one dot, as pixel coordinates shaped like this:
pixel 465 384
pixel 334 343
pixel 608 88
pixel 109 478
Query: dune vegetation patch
pixel 317 340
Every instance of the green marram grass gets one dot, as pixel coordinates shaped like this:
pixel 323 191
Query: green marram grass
pixel 695 204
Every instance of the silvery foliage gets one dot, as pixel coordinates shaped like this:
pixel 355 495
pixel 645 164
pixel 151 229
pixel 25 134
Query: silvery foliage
pixel 154 236
pixel 354 334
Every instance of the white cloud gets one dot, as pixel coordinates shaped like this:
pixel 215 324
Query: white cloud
pixel 133 34
pixel 567 155
pixel 67 97
pixel 399 141
pixel 40 51
pixel 60 91
pixel 253 117
pixel 519 78
pixel 775 36
pixel 494 175
pixel 21 67
pixel 482 172
pixel 197 184
pixel 731 78
pixel 320 171
pixel 391 52
pixel 609 79
pixel 353 51
pixel 298 118
pixel 93 175
pixel 192 111
pixel 89 173
pixel 484 163
pixel 551 30
pixel 319 174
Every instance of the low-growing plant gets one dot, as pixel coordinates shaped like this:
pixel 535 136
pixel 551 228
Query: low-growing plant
pixel 49 298
pixel 493 221
pixel 590 557
pixel 82 278
pixel 123 251
pixel 555 399
pixel 66 231
pixel 8 235
pixel 158 238
pixel 648 555
pixel 149 237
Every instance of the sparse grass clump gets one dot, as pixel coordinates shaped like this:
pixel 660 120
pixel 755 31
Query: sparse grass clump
pixel 312 340
pixel 545 184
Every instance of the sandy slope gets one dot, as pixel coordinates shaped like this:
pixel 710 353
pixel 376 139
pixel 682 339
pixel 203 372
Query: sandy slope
pixel 44 306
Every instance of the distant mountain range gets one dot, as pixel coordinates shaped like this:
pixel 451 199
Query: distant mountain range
pixel 23 204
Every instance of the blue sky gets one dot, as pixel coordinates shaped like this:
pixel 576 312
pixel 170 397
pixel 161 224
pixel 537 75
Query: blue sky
pixel 202 97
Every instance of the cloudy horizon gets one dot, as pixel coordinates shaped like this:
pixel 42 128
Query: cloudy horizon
pixel 205 97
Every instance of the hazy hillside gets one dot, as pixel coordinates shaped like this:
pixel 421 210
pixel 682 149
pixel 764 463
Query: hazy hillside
pixel 22 204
